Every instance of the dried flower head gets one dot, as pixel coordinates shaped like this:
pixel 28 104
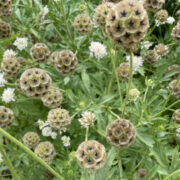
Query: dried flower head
pixel 161 49
pixel 123 71
pixel 176 32
pixel 5 8
pixel 31 139
pixel 5 29
pixel 6 117
pixel 35 82
pixel 121 133
pixel 21 60
pixel 176 92
pixel 46 151
pixel 176 116
pixel 161 16
pixel 153 5
pixel 151 57
pixel 133 94
pixel 87 119
pixel 142 173
pixel 82 24
pixel 91 155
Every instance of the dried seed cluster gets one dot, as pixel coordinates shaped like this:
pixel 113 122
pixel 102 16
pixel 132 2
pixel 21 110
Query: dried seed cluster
pixel 161 49
pixel 5 8
pixel 5 29
pixel 64 61
pixel 127 23
pixel 6 117
pixel 35 82
pixel 176 32
pixel 123 71
pixel 46 151
pixel 52 98
pixel 91 155
pixel 121 133
pixel 40 53
pixel 21 60
pixel 58 118
pixel 153 5
pixel 101 12
pixel 151 57
pixel 176 92
pixel 31 139
pixel 10 66
pixel 176 116
pixel 161 15
pixel 82 24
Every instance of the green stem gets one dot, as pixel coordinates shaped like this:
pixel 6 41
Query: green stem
pixel 9 164
pixel 173 174
pixel 120 165
pixel 87 131
pixel 32 154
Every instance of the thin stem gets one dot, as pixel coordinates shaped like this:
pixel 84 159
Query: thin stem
pixel 32 154
pixel 9 164
pixel 120 165
pixel 172 174
pixel 145 94
pixel 87 131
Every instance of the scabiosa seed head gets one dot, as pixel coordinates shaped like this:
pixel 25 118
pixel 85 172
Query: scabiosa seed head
pixel 6 117
pixel 35 82
pixel 10 66
pixel 151 57
pixel 123 71
pixel 5 8
pixel 31 139
pixel 133 94
pixel 161 16
pixel 46 151
pixel 153 5
pixel 21 60
pixel 91 155
pixel 40 53
pixel 64 61
pixel 121 133
pixel 5 29
pixel 176 116
pixel 176 92
pixel 58 118
pixel 82 24
pixel 87 119
pixel 176 32
pixel 161 49
pixel 142 173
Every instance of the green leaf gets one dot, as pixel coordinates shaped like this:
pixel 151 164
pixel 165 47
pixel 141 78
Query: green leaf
pixel 86 80
pixel 152 173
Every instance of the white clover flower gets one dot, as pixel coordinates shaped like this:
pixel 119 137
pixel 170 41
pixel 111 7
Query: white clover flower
pixel 44 12
pixel 53 135
pixel 21 43
pixel 133 94
pixel 1 158
pixel 87 119
pixel 42 124
pixel 137 62
pixel 46 131
pixel 9 53
pixel 97 50
pixel 2 80
pixel 146 44
pixel 8 95
pixel 66 140
pixel 170 20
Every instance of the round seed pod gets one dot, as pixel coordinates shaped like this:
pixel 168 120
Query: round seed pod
pixel 161 49
pixel 52 98
pixel 5 29
pixel 10 66
pixel 176 92
pixel 58 118
pixel 53 56
pixel 127 23
pixel 173 68
pixel 31 139
pixel 123 71
pixel 6 117
pixel 46 151
pixel 5 8
pixel 65 61
pixel 153 5
pixel 161 16
pixel 142 173
pixel 82 24
pixel 35 82
pixel 176 32
pixel 151 57
pixel 101 13
pixel 21 60
pixel 91 155
pixel 121 133
pixel 40 52
pixel 176 116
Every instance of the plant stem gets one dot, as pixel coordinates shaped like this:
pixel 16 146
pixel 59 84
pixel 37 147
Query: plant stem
pixel 173 174
pixel 9 164
pixel 87 131
pixel 120 165
pixel 32 154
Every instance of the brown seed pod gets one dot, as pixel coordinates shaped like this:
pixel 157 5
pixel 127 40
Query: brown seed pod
pixel 161 49
pixel 176 92
pixel 127 23
pixel 176 32
pixel 64 61
pixel 40 53
pixel 5 8
pixel 10 66
pixel 161 16
pixel 46 151
pixel 6 117
pixel 153 5
pixel 58 118
pixel 5 29
pixel 35 82
pixel 82 24
pixel 176 116
pixel 52 98
pixel 31 139
pixel 142 173
pixel 151 57
pixel 121 133
pixel 123 71
pixel 91 155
